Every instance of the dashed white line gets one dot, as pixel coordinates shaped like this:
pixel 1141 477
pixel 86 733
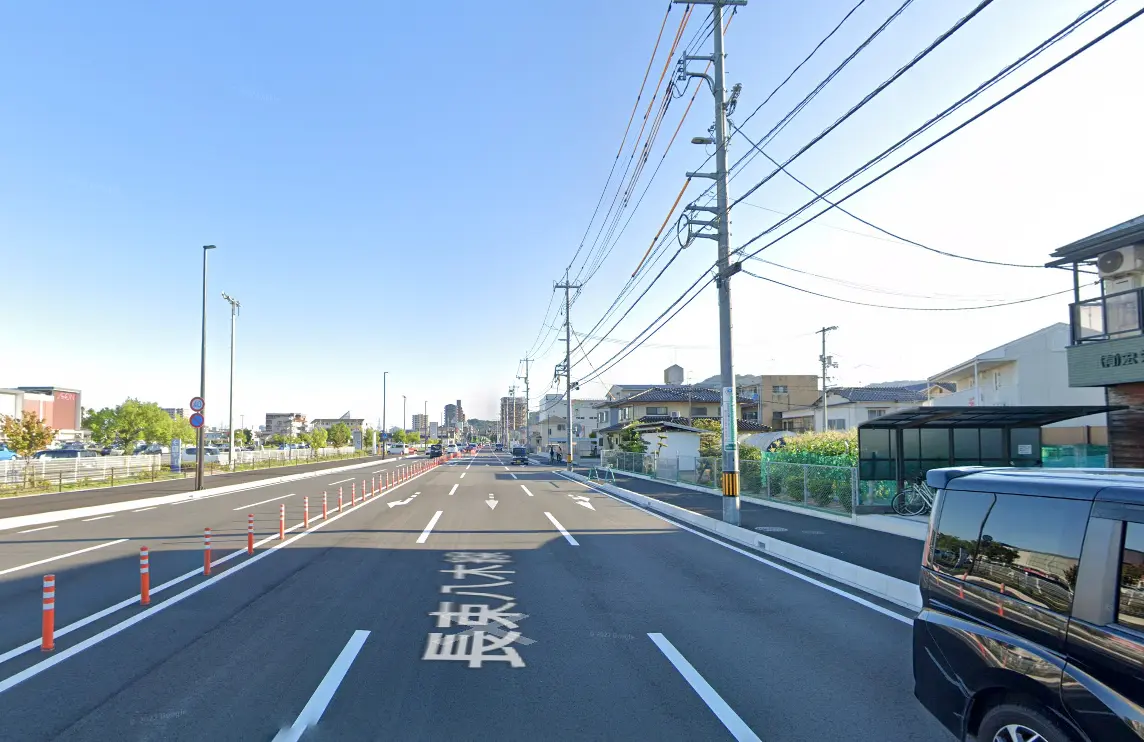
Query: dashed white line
pixel 41 528
pixel 512 475
pixel 98 517
pixel 340 481
pixel 316 706
pixel 425 534
pixel 462 475
pixel 143 510
pixel 526 490
pixel 61 556
pixel 735 725
pixel 567 536
pixel 263 502
pixel 455 486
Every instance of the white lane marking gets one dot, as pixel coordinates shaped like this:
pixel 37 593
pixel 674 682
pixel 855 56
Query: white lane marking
pixel 263 502
pixel 425 534
pixel 34 670
pixel 560 528
pixel 526 490
pixel 462 475
pixel 342 481
pixel 143 510
pixel 759 559
pixel 41 528
pixel 492 504
pixel 506 468
pixel 512 475
pixel 316 706
pixel 455 486
pixel 735 725
pixel 98 517
pixel 61 556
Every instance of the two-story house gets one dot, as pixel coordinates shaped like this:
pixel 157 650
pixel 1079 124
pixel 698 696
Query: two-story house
pixel 1030 371
pixel 680 404
pixel 1106 339
pixel 848 407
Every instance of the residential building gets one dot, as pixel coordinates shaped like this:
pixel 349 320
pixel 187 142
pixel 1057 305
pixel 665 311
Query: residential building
pixel 175 412
pixel 1029 371
pixel 1106 339
pixel 285 423
pixel 354 423
pixel 450 416
pixel 774 394
pixel 553 429
pixel 433 430
pixel 513 413
pixel 420 423
pixel 680 405
pixel 850 406
pixel 58 407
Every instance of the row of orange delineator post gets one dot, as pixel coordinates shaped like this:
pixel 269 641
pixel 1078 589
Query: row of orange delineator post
pixel 375 486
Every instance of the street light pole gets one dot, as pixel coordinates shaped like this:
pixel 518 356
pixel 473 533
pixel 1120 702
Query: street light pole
pixel 234 306
pixel 201 434
pixel 425 420
pixel 384 377
pixel 404 426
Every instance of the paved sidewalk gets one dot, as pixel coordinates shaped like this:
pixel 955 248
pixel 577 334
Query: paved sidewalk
pixel 896 556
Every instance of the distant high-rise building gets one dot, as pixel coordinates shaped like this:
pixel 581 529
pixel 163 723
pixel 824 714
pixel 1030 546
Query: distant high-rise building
pixel 451 415
pixel 421 423
pixel 175 412
pixel 513 413
pixel 460 412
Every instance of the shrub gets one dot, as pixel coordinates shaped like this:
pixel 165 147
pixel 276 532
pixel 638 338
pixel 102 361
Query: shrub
pixel 820 484
pixel 839 448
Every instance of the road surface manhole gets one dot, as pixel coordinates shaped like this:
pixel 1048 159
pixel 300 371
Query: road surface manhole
pixel 770 529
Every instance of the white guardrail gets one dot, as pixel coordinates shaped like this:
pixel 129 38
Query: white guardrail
pixel 98 468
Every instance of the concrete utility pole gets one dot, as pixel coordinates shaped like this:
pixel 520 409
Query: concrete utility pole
pixel 234 306
pixel 403 417
pixel 512 421
pixel 384 378
pixel 567 286
pixel 722 223
pixel 200 433
pixel 527 397
pixel 827 363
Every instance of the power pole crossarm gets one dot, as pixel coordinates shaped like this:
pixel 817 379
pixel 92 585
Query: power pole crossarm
pixel 826 362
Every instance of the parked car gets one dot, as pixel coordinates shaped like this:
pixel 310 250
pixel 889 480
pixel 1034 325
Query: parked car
pixel 65 453
pixel 397 448
pixel 519 455
pixel 1032 620
pixel 111 451
pixel 6 454
pixel 191 454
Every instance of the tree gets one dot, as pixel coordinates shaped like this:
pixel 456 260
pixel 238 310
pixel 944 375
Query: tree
pixel 243 437
pixel 102 426
pixel 26 434
pixel 180 427
pixel 367 438
pixel 710 443
pixel 631 441
pixel 318 438
pixel 340 435
pixel 130 423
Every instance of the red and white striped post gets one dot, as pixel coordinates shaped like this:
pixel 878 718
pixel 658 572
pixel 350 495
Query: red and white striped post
pixel 339 499
pixel 144 576
pixel 353 494
pixel 373 484
pixel 49 624
pixel 282 522
pixel 306 512
pixel 364 491
pixel 250 533
pixel 206 551
pixel 325 507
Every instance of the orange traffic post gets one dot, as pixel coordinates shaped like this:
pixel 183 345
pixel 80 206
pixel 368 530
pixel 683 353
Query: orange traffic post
pixel 49 639
pixel 364 491
pixel 144 576
pixel 339 499
pixel 373 484
pixel 306 512
pixel 281 522
pixel 325 507
pixel 206 551
pixel 250 533
pixel 353 494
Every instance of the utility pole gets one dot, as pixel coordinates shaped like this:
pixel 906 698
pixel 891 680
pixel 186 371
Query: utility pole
pixel 527 397
pixel 200 454
pixel 724 270
pixel 512 422
pixel 384 378
pixel 234 306
pixel 827 362
pixel 567 286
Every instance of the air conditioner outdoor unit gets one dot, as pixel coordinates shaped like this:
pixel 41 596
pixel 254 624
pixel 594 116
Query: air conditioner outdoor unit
pixel 675 414
pixel 1121 262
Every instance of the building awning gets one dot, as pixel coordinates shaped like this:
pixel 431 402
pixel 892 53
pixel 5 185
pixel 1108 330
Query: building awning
pixel 1122 235
pixel 983 417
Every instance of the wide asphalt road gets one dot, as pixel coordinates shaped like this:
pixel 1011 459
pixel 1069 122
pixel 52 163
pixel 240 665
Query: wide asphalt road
pixel 471 601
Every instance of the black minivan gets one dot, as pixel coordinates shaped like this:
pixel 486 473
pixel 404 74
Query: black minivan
pixel 1032 620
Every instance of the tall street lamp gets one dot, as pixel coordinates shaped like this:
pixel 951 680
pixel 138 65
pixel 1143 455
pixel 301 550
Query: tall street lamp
pixel 404 426
pixel 200 454
pixel 384 376
pixel 234 305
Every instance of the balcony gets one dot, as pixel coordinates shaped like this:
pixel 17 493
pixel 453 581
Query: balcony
pixel 1109 317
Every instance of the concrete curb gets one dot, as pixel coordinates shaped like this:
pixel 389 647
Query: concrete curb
pixel 899 592
pixel 36 519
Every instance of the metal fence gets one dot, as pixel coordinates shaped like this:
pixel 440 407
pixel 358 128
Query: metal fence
pixel 43 473
pixel 833 488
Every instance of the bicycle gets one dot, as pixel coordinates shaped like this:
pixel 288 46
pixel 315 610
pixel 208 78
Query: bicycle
pixel 916 499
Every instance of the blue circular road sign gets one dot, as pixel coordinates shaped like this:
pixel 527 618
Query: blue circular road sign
pixel 197 404
pixel 197 420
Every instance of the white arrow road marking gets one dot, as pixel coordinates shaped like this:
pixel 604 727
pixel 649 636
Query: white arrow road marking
pixel 406 501
pixel 526 490
pixel 455 486
pixel 492 504
pixel 582 500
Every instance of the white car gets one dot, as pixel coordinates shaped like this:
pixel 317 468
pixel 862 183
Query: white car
pixel 452 448
pixel 190 455
pixel 398 448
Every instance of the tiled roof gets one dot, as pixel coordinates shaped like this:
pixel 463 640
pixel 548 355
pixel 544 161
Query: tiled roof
pixel 878 394
pixel 694 394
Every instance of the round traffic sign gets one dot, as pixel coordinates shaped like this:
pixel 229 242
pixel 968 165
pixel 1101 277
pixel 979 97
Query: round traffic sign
pixel 197 404
pixel 197 420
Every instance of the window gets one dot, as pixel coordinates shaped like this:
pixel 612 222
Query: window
pixel 1130 606
pixel 958 531
pixel 837 423
pixel 559 427
pixel 698 411
pixel 625 413
pixel 874 413
pixel 779 389
pixel 996 380
pixel 1030 547
pixel 655 411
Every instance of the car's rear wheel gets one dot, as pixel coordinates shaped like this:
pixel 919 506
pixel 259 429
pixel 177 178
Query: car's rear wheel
pixel 1013 723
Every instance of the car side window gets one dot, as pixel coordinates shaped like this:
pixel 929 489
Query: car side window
pixel 1130 602
pixel 958 530
pixel 1030 547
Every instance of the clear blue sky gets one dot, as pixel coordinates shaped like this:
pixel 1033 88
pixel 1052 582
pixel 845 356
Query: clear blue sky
pixel 395 188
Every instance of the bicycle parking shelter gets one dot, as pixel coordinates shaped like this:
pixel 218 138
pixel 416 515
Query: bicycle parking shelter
pixel 903 445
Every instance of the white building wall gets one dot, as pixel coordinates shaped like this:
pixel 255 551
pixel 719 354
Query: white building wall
pixel 10 403
pixel 679 443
